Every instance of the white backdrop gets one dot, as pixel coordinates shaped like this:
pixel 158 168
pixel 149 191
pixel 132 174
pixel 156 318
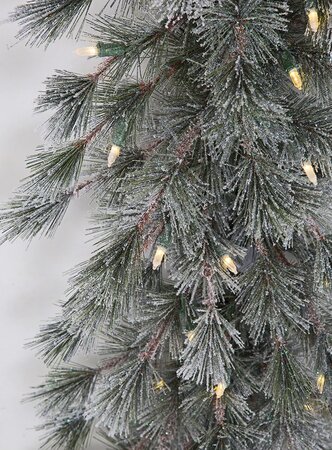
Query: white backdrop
pixel 32 278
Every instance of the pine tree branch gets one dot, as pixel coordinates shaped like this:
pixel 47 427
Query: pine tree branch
pixel 71 96
pixel 207 359
pixel 44 21
pixel 271 299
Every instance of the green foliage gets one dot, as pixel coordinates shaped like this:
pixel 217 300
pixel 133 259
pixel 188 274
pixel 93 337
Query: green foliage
pixel 58 341
pixel 70 432
pixel 139 39
pixel 271 299
pixel 287 384
pixel 104 279
pixel 163 423
pixel 71 96
pixel 29 215
pixel 65 388
pixel 125 392
pixel 253 38
pixel 164 311
pixel 322 265
pixel 212 136
pixel 316 121
pixel 207 358
pixel 62 166
pixel 44 21
pixel 256 182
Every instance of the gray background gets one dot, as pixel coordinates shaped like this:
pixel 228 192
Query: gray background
pixel 32 277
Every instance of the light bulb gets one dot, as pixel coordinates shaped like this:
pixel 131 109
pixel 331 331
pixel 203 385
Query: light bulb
pixel 219 390
pixel 228 263
pixel 158 257
pixel 313 19
pixel 160 385
pixel 191 335
pixel 113 154
pixel 310 172
pixel 308 407
pixel 320 383
pixel 87 51
pixel 296 78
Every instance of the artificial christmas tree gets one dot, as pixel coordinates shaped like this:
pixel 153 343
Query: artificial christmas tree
pixel 204 140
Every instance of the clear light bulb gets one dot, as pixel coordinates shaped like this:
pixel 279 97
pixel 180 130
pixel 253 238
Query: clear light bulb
pixel 191 335
pixel 295 76
pixel 310 172
pixel 113 154
pixel 313 19
pixel 320 383
pixel 87 51
pixel 219 390
pixel 228 263
pixel 158 257
pixel 160 385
